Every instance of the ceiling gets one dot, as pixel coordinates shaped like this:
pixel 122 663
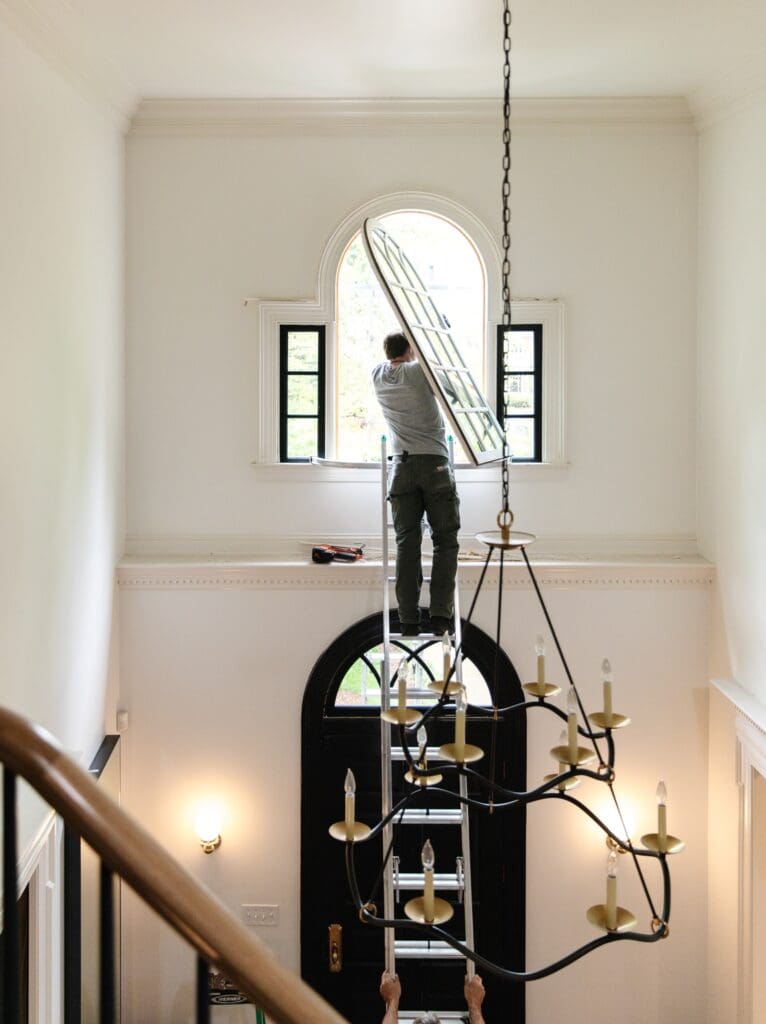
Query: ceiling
pixel 407 48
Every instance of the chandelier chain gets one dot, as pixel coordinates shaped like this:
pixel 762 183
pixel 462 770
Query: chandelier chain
pixel 506 217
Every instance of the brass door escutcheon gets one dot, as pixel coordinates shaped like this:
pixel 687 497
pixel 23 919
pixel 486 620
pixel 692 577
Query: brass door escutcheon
pixel 335 943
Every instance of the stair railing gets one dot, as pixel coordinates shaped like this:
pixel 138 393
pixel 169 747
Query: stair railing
pixel 125 849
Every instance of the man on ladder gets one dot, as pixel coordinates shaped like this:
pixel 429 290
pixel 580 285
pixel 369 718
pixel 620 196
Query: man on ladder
pixel 421 480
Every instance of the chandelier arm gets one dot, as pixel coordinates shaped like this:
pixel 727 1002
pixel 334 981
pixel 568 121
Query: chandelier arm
pixel 541 703
pixel 564 662
pixel 625 844
pixel 488 966
pixel 530 794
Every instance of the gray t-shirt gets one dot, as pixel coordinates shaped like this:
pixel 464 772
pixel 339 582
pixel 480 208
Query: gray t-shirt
pixel 410 409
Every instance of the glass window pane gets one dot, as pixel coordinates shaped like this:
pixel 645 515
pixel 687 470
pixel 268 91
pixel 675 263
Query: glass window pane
pixel 302 438
pixel 519 394
pixel 360 685
pixel 520 351
pixel 394 267
pixel 303 350
pixel 302 396
pixel 521 438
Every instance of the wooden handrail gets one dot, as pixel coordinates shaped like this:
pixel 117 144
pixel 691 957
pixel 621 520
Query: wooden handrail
pixel 126 848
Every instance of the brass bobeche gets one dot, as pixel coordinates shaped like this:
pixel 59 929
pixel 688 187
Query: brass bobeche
pixel 546 690
pixel 561 754
pixel 603 721
pixel 671 844
pixel 567 784
pixel 453 687
pixel 423 780
pixel 470 753
pixel 625 919
pixel 338 831
pixel 442 911
pixel 401 716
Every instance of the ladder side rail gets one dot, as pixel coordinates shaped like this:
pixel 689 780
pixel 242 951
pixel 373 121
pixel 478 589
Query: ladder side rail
pixel 386 789
pixel 465 836
pixel 465 828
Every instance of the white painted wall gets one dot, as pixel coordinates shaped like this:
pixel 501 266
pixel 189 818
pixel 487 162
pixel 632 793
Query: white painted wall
pixel 61 376
pixel 732 368
pixel 213 676
pixel 604 220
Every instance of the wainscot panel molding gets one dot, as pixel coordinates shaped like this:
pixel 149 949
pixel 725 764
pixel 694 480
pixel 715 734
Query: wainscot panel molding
pixel 330 117
pixel 185 574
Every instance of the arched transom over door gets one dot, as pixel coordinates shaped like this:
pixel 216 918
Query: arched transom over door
pixel 341 729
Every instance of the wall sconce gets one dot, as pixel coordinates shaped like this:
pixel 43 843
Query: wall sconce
pixel 208 828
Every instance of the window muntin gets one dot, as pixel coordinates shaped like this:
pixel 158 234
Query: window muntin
pixel 520 389
pixel 360 686
pixel 302 392
pixel 453 273
pixel 429 330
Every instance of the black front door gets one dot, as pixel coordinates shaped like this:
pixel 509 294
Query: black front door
pixel 341 730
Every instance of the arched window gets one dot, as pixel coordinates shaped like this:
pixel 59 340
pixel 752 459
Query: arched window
pixel 449 262
pixel 315 355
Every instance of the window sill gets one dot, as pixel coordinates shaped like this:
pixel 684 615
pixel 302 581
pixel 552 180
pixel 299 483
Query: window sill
pixel 359 472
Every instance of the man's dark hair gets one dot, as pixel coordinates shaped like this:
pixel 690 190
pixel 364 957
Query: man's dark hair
pixel 395 345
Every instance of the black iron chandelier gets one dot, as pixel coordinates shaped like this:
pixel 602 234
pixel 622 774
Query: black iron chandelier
pixel 586 747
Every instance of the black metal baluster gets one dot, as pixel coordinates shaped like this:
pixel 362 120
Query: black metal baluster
pixel 72 927
pixel 203 997
pixel 106 943
pixel 9 996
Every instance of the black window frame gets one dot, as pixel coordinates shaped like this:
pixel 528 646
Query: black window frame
pixel 284 374
pixel 536 374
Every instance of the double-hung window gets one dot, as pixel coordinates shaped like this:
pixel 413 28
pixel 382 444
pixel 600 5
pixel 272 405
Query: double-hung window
pixel 520 389
pixel 302 392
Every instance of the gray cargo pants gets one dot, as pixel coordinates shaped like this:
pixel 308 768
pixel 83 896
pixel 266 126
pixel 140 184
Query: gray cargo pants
pixel 418 484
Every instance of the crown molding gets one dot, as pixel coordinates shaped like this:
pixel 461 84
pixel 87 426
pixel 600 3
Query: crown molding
pixel 729 92
pixel 63 49
pixel 254 117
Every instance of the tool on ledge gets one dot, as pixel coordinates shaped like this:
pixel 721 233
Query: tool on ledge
pixel 323 553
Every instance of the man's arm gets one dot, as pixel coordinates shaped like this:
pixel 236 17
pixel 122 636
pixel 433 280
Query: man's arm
pixel 474 997
pixel 391 991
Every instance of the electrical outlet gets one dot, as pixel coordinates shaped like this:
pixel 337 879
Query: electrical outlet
pixel 260 915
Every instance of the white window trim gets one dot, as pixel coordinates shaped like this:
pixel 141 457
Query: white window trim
pixel 272 313
pixel 751 741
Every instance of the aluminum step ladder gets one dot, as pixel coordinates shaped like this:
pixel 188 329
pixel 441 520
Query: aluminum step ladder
pixel 403 946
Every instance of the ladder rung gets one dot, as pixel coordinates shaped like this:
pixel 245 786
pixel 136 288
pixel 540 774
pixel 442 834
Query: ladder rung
pixel 410 1016
pixel 439 816
pixel 420 637
pixel 414 693
pixel 432 753
pixel 392 579
pixel 422 949
pixel 414 880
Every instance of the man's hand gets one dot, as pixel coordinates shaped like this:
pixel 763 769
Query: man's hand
pixel 473 990
pixel 390 988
